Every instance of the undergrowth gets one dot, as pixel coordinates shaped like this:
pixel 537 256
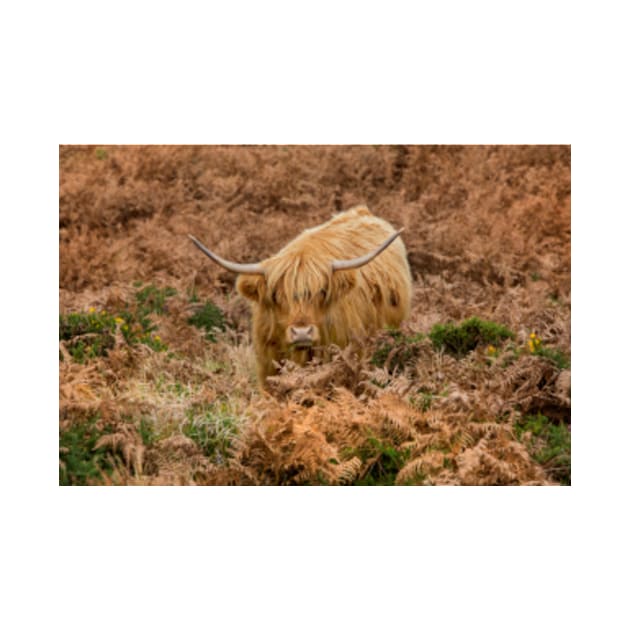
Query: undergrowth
pixel 151 299
pixel 80 461
pixel 379 423
pixel 396 350
pixel 213 428
pixel 209 318
pixel 87 335
pixel 382 462
pixel 147 431
pixel 549 443
pixel 459 340
pixel 422 399
pixel 91 334
pixel 538 348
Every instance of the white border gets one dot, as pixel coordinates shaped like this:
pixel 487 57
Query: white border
pixel 543 72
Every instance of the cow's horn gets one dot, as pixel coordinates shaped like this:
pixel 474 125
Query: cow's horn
pixel 253 268
pixel 354 263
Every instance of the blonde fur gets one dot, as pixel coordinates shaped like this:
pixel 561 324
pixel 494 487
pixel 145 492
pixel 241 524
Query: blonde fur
pixel 300 289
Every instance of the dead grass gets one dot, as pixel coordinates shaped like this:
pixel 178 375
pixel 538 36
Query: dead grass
pixel 488 235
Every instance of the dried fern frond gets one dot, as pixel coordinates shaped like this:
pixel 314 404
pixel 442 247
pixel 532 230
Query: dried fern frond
pixel 128 445
pixel 348 471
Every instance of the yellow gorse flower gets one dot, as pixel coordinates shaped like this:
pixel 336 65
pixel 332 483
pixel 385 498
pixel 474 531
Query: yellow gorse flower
pixel 534 342
pixel 91 310
pixel 119 320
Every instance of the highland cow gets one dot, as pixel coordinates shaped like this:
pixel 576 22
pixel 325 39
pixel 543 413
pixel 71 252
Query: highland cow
pixel 344 279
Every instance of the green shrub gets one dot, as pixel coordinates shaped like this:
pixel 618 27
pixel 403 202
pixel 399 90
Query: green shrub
pixel 400 349
pixel 549 444
pixel 79 461
pixel 150 299
pixel 209 317
pixel 87 335
pixel 459 340
pixel 91 334
pixel 386 460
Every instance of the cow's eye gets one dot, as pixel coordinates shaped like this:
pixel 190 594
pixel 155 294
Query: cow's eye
pixel 323 294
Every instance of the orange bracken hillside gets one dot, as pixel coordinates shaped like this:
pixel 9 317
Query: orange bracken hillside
pixel 149 397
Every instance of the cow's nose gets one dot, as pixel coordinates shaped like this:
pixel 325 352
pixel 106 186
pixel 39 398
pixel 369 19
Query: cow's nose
pixel 301 335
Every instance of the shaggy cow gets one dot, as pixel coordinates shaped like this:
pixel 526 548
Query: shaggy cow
pixel 344 279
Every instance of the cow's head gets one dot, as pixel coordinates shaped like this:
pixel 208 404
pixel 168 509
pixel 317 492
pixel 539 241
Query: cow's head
pixel 297 290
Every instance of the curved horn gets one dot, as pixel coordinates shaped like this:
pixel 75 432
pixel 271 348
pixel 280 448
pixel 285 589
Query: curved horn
pixel 253 268
pixel 354 263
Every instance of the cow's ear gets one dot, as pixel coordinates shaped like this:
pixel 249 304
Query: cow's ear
pixel 252 287
pixel 343 282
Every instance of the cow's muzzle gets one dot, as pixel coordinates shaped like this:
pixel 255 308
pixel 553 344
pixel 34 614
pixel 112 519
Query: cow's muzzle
pixel 301 336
